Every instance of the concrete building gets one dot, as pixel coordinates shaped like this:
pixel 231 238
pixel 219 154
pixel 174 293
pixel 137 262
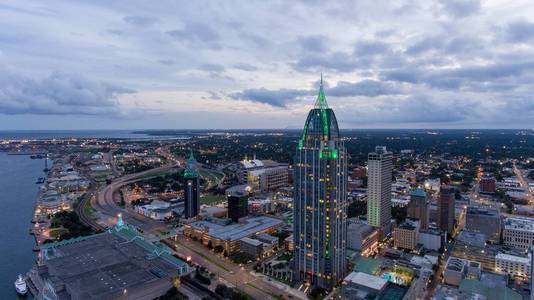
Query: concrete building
pixel 380 168
pixel 487 184
pixel 362 237
pixel 531 250
pixel 455 271
pixel 359 172
pixel 405 235
pixel 472 246
pixel 320 202
pixel 191 189
pixel 118 263
pixel 251 247
pixel 359 285
pixel 430 239
pixel 512 265
pixel 418 207
pixel 268 179
pixel 157 210
pixel 237 197
pixel 247 165
pixel 229 236
pixel 484 220
pixel 518 232
pixel 446 209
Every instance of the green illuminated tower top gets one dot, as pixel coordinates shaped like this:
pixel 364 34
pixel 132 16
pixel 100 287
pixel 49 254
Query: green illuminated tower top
pixel 321 122
pixel 191 168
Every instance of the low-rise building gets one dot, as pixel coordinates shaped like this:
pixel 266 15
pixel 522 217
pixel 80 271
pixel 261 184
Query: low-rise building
pixel 406 234
pixel 487 184
pixel 229 236
pixel 359 285
pixel 484 220
pixel 512 265
pixel 362 237
pixel 518 232
pixel 472 246
pixel 251 247
pixel 455 271
pixel 118 263
pixel 430 239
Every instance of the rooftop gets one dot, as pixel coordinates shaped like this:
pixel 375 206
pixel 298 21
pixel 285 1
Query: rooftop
pixel 519 224
pixel 471 238
pixel 508 257
pixel 482 211
pixel 103 265
pixel 251 241
pixel 419 193
pixel 370 281
pixel 238 231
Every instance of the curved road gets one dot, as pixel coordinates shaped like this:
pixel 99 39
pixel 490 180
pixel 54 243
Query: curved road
pixel 105 203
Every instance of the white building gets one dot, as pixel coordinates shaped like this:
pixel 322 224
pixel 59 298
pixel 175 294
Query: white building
pixel 518 232
pixel 512 265
pixel 268 179
pixel 362 237
pixel 380 168
pixel 157 210
pixel 358 285
pixel 430 239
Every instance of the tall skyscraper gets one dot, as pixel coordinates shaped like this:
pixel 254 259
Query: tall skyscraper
pixel 446 209
pixel 532 273
pixel 418 207
pixel 320 201
pixel 379 172
pixel 191 189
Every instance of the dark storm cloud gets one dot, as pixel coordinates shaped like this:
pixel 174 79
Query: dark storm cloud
pixel 276 98
pixel 59 93
pixel 520 31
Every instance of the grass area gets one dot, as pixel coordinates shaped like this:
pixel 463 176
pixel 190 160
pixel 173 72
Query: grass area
pixel 57 232
pixel 88 210
pixel 212 199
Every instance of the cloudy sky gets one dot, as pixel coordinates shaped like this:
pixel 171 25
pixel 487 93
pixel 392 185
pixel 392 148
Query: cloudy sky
pixel 256 64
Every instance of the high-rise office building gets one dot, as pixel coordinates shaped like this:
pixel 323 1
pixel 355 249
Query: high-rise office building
pixel 237 197
pixel 418 207
pixel 532 273
pixel 191 189
pixel 446 209
pixel 379 177
pixel 320 201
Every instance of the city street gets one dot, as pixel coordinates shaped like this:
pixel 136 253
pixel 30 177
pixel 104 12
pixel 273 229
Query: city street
pixel 257 286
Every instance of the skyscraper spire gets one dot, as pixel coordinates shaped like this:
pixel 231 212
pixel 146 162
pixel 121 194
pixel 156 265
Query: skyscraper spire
pixel 321 98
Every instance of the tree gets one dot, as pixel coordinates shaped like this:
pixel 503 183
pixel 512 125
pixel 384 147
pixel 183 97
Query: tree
pixel 399 213
pixel 357 208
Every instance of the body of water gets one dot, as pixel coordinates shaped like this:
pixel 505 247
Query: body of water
pixel 18 193
pixel 58 134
